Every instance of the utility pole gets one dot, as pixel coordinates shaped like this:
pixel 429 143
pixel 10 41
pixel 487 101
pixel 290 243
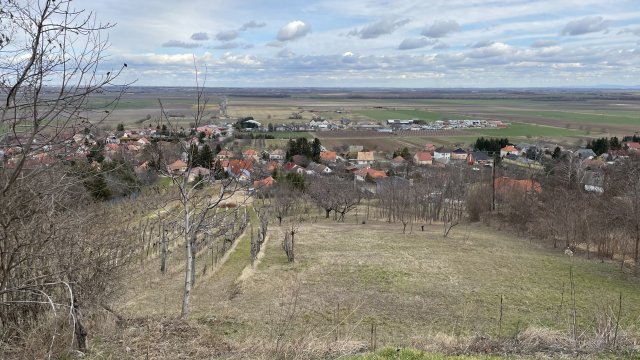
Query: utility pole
pixel 493 184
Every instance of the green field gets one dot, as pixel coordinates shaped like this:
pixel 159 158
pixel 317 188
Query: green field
pixel 523 129
pixel 594 118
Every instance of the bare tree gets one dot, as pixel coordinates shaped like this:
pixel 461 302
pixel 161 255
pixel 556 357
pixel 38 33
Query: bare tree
pixel 53 254
pixel 199 208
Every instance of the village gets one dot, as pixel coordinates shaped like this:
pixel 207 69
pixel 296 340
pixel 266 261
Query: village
pixel 253 164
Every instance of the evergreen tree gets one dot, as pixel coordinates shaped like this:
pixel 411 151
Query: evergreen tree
pixel 557 153
pixel 218 149
pixel 315 150
pixel 120 127
pixel 205 156
pixel 218 171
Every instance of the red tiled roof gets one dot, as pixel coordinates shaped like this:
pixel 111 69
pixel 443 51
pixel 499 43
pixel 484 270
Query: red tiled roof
pixel 423 156
pixel 264 183
pixel 371 172
pixel 328 155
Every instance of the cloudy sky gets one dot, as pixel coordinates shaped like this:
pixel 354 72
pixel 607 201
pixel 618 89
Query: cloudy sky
pixel 375 43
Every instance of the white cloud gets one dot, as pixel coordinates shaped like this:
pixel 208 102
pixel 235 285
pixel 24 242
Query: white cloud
pixel 293 30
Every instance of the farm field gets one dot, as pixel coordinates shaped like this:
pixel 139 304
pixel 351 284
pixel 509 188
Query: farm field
pixel 563 118
pixel 414 288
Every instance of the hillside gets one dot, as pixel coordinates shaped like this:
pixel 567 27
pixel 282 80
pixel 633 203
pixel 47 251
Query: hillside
pixel 354 286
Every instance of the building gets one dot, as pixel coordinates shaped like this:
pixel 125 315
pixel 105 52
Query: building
pixel 509 149
pixel 365 158
pixel 423 158
pixel 479 158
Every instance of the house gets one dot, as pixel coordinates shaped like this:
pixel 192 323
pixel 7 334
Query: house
pixel 224 155
pixel 142 168
pixel 198 171
pixel 264 183
pixel 328 157
pixel 177 167
pixel 143 142
pixel 479 158
pixel 240 169
pixel 365 158
pixel 362 174
pixel 509 149
pixel 316 168
pixel 398 161
pixel 459 154
pixel 277 155
pixel 584 154
pixel 423 158
pixel 430 148
pixel 633 146
pixel 250 154
pixel 442 153
pixel 292 167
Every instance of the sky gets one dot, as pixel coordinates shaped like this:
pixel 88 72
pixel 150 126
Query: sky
pixel 374 43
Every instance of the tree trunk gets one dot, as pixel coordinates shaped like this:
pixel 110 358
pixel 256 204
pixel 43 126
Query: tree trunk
pixel 327 211
pixel 163 257
pixel 189 266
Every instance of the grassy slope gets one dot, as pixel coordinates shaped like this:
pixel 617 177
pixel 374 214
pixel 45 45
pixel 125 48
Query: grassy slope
pixel 348 276
pixel 419 284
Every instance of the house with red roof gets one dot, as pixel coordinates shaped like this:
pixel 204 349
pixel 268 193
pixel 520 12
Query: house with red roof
pixel 361 175
pixel 423 158
pixel 177 167
pixel 509 149
pixel 328 156
pixel 633 146
pixel 250 154
pixel 264 183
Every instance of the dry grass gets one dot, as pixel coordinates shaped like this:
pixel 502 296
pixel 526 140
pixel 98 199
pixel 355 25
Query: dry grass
pixel 418 290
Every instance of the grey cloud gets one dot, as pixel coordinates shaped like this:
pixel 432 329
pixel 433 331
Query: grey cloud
pixel 441 28
pixel 415 43
pixel 227 46
pixel 293 30
pixel 200 36
pixel 251 24
pixel 379 28
pixel 180 44
pixel 482 44
pixel 585 25
pixel 543 43
pixel 227 35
